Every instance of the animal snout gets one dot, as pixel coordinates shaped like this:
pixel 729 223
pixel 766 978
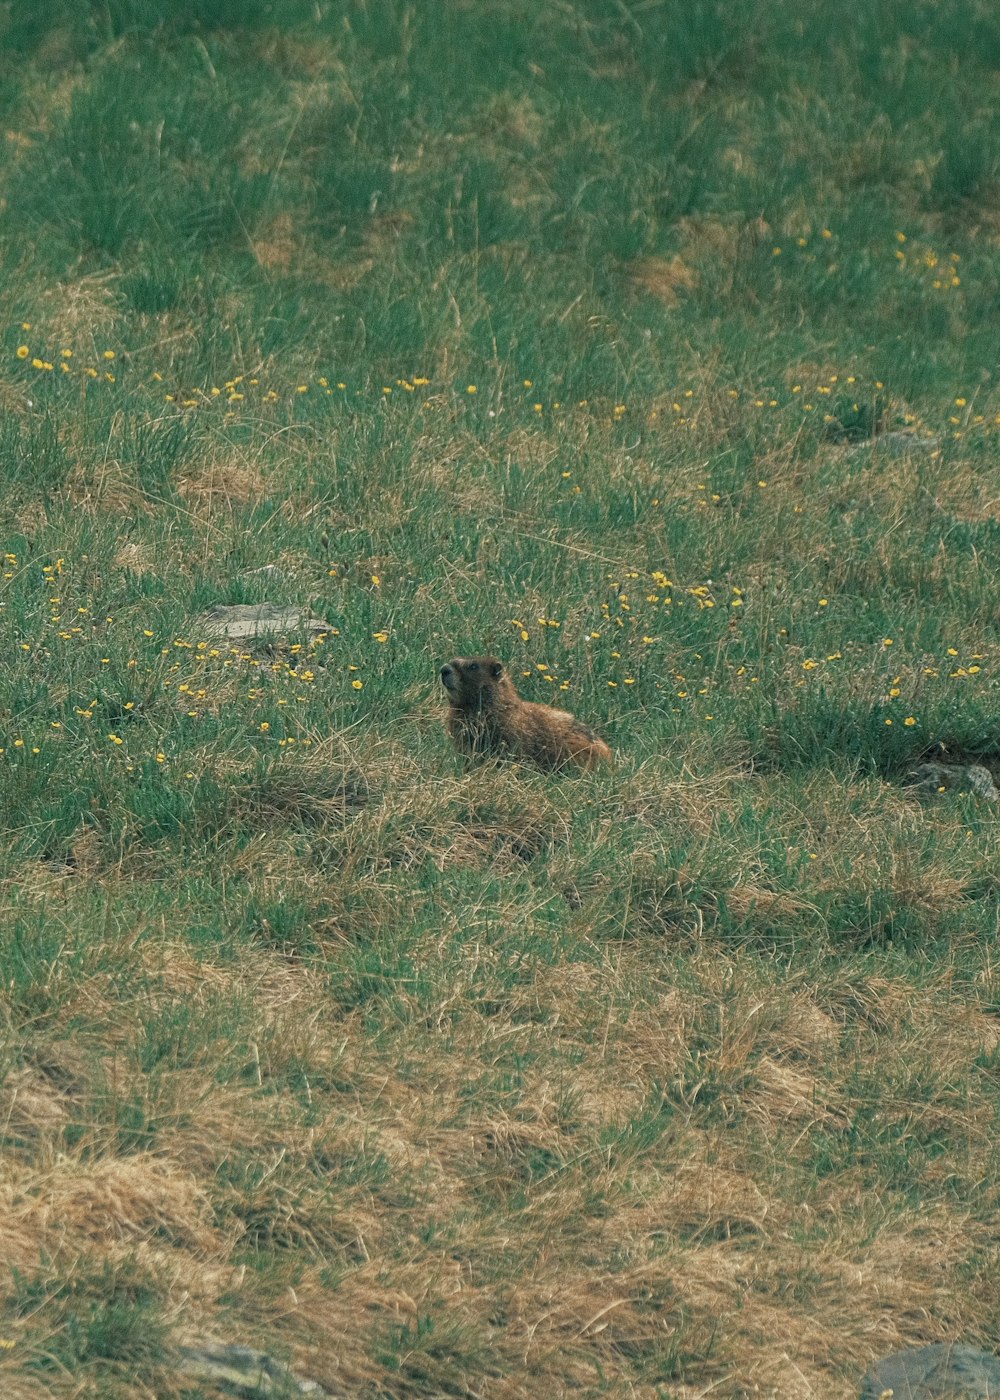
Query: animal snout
pixel 448 677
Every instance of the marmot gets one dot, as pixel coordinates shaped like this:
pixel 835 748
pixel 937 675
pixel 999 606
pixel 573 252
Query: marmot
pixel 488 719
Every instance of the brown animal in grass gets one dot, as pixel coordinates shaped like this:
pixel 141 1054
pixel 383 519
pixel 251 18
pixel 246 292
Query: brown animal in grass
pixel 488 719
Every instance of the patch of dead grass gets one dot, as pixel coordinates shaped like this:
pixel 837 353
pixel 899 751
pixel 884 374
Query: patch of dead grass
pixel 78 314
pixel 106 487
pixel 277 246
pixel 228 487
pixel 667 279
pixel 575 1246
pixel 138 558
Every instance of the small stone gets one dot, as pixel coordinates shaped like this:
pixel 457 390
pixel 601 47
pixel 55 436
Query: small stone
pixel 980 779
pixel 931 778
pixel 945 1371
pixel 244 1371
pixel 244 621
pixel 897 444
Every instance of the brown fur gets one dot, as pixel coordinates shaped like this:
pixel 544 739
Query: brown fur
pixel 488 719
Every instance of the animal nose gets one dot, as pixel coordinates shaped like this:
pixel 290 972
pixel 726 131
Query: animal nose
pixel 446 674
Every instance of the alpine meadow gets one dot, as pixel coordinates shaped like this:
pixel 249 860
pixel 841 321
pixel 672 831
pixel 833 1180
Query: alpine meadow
pixel 650 346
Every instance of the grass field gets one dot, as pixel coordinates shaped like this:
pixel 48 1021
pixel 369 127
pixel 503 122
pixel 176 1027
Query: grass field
pixel 583 333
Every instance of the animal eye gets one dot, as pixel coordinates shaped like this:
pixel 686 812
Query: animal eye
pixel 473 666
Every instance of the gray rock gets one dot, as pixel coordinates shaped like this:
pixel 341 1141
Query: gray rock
pixel 931 778
pixel 244 1371
pixel 980 779
pixel 241 622
pixel 897 444
pixel 945 1371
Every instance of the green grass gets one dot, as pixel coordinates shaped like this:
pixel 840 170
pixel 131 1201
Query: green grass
pixel 560 332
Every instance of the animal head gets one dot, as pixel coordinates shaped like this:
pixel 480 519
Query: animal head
pixel 472 680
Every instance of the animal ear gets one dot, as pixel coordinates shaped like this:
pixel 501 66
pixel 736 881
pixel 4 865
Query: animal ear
pixel 496 670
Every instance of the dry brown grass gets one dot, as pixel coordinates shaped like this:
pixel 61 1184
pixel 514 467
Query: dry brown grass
pixel 221 487
pixel 645 1163
pixel 665 278
pixel 641 1200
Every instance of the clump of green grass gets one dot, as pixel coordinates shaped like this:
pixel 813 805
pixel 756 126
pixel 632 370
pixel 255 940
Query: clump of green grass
pixel 101 1316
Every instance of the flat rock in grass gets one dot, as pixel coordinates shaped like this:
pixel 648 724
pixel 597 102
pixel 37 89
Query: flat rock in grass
pixel 241 622
pixel 244 1371
pixel 932 778
pixel 945 1371
pixel 898 444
